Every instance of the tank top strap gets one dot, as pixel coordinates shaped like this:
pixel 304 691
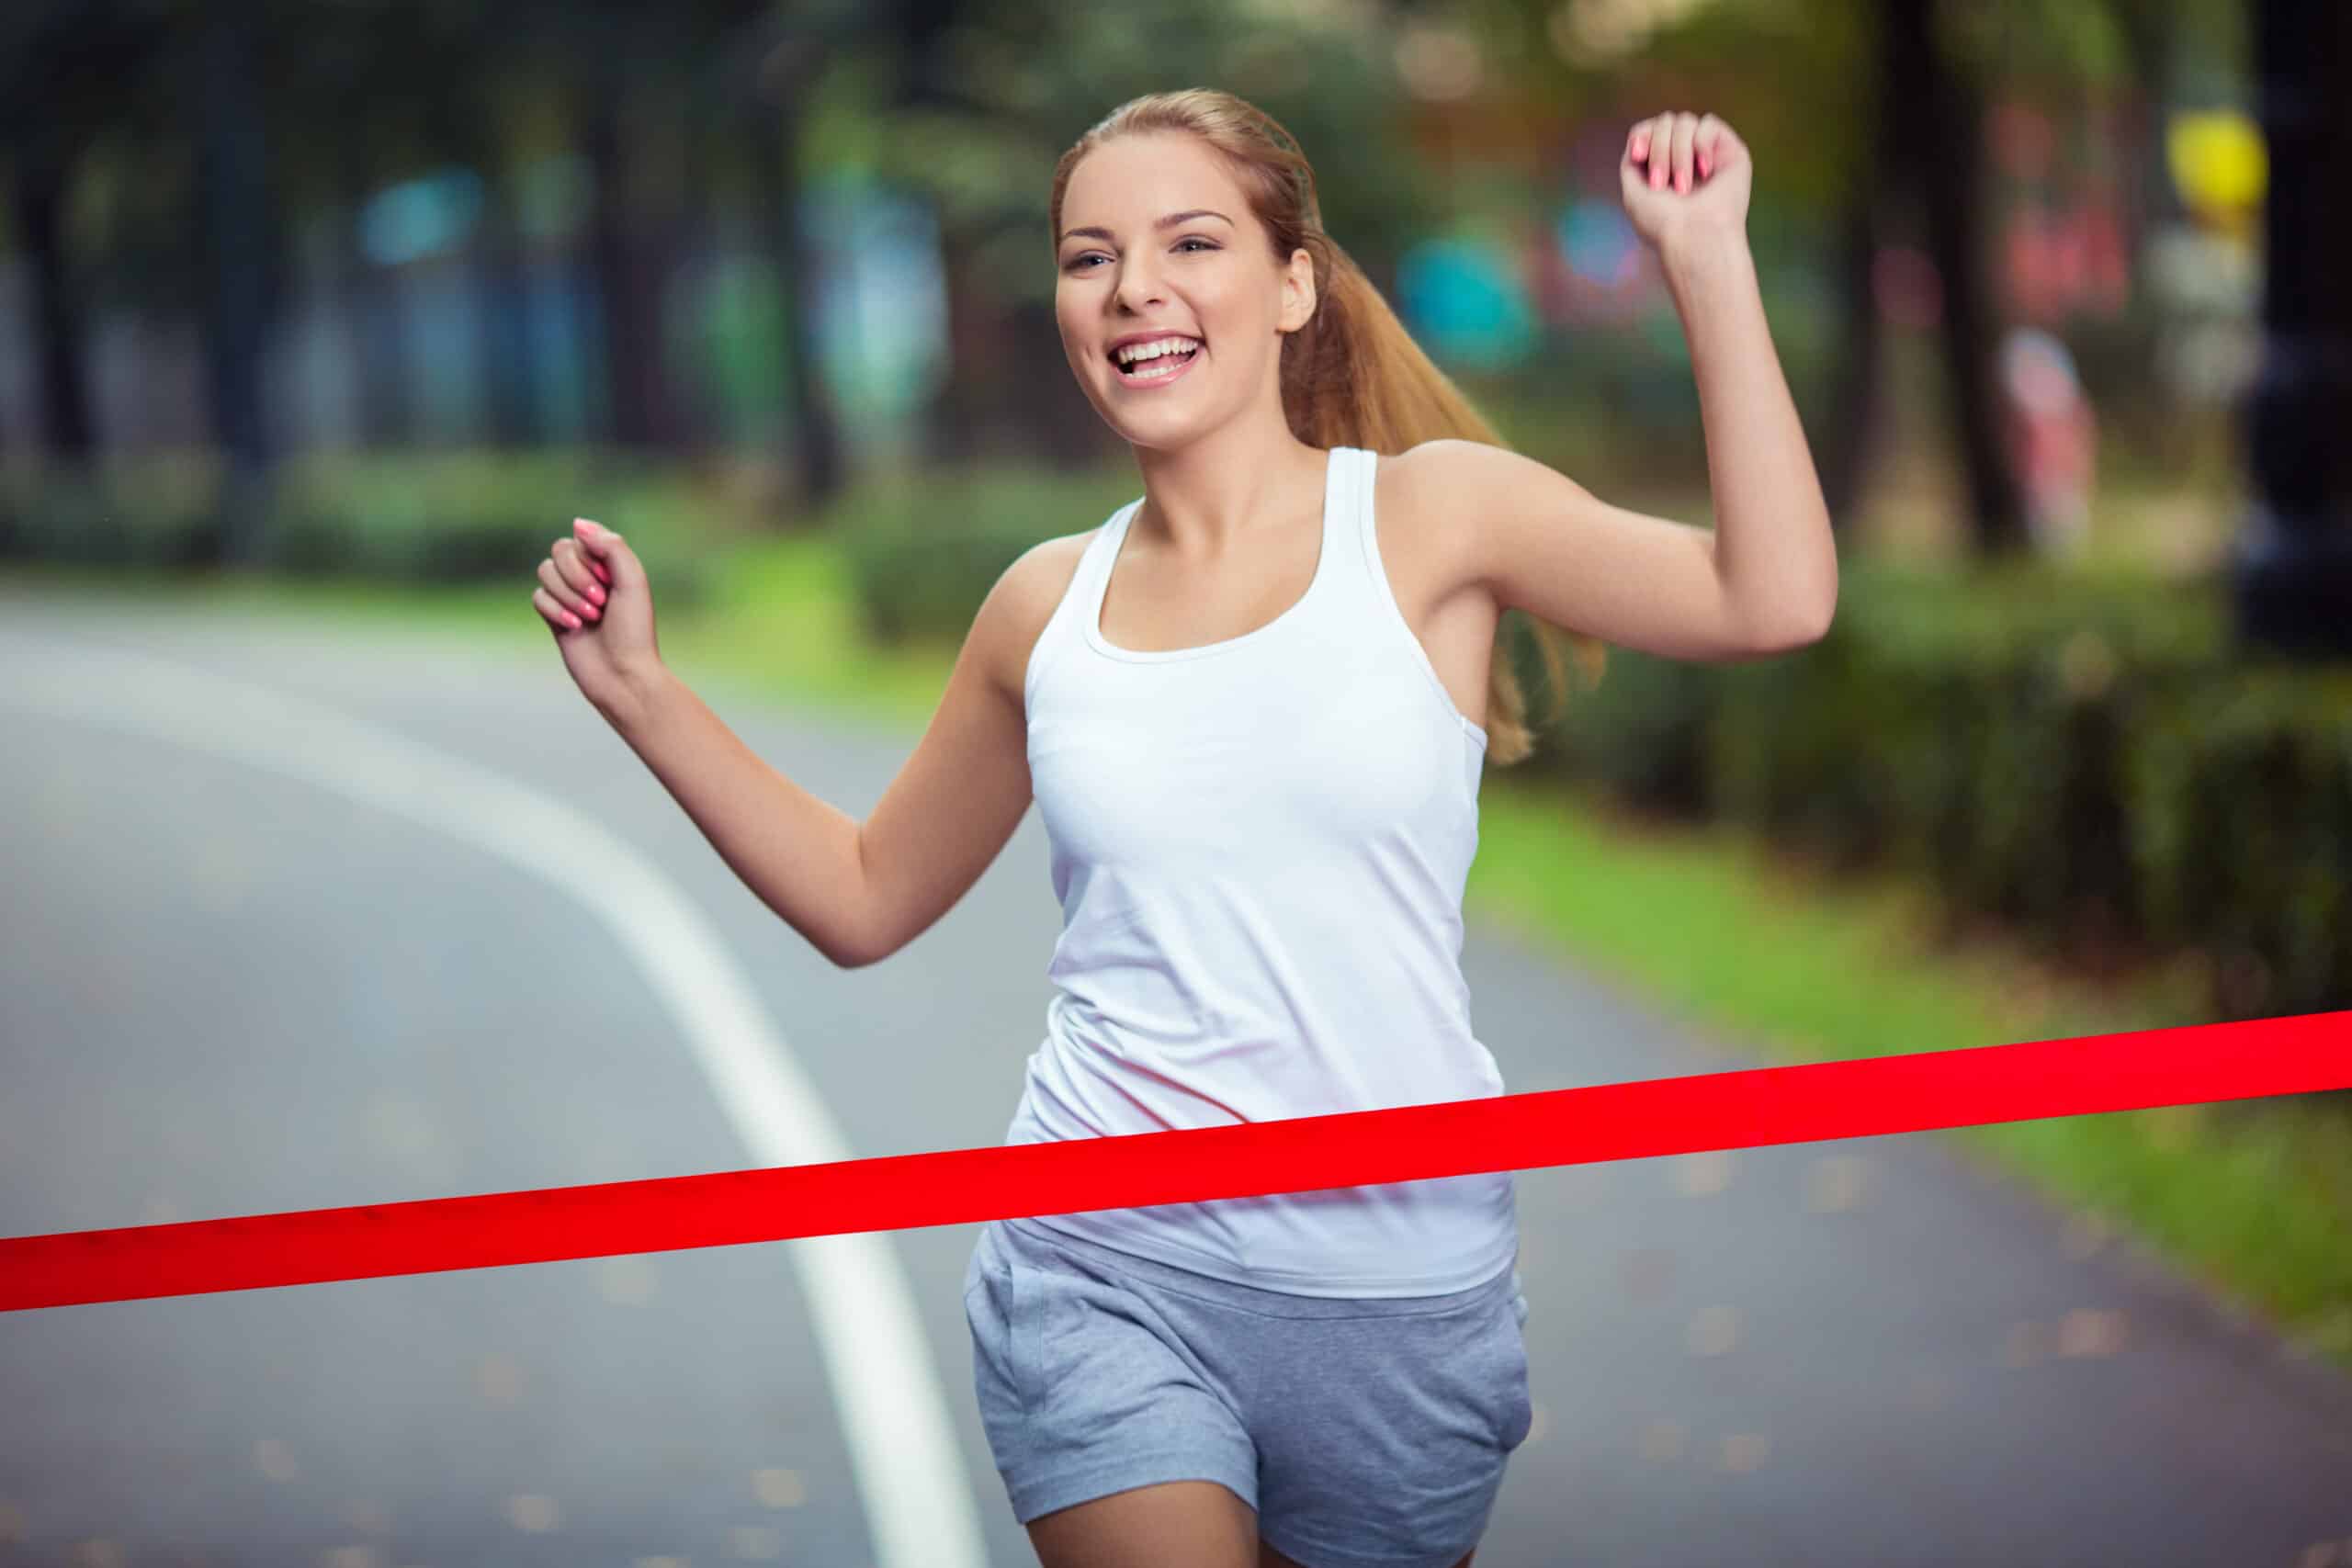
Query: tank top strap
pixel 1082 598
pixel 1351 535
pixel 1095 578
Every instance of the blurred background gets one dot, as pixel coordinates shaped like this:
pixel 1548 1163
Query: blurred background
pixel 384 292
pixel 342 309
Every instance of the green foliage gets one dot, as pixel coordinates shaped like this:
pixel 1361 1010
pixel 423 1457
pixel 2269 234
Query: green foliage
pixel 425 518
pixel 157 513
pixel 2249 785
pixel 923 555
pixel 1029 80
pixel 2084 760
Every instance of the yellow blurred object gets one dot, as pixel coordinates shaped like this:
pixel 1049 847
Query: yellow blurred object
pixel 2219 162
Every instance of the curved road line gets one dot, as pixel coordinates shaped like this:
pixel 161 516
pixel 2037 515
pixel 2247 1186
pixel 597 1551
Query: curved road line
pixel 919 1504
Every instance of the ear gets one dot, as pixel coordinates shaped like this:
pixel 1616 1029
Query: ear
pixel 1298 291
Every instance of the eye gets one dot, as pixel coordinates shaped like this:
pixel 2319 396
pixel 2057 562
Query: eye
pixel 1078 263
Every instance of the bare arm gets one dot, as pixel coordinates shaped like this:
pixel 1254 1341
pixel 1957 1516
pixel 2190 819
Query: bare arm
pixel 798 854
pixel 1773 548
pixel 952 808
pixel 859 891
pixel 1765 579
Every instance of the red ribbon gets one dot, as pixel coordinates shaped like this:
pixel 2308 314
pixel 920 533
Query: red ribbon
pixel 1873 1097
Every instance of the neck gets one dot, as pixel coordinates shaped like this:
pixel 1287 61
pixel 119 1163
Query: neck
pixel 1207 500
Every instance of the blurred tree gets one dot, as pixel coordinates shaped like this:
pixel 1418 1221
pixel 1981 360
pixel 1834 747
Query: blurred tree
pixel 470 118
pixel 626 58
pixel 971 107
pixel 363 84
pixel 237 237
pixel 70 70
pixel 766 70
pixel 2293 567
pixel 1871 127
pixel 1932 122
pixel 635 70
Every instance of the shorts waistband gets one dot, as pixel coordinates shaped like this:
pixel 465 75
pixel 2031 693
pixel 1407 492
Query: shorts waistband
pixel 1030 1235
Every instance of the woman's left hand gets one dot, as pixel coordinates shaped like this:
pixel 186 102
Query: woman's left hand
pixel 1685 177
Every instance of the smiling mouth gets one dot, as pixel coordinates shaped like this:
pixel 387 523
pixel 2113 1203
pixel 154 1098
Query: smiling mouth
pixel 1158 369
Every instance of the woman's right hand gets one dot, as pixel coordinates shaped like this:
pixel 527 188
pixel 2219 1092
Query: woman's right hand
pixel 592 593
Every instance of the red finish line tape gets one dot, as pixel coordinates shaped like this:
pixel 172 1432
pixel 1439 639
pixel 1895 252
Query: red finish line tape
pixel 1875 1096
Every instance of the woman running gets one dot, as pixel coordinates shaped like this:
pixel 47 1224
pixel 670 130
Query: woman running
pixel 1252 708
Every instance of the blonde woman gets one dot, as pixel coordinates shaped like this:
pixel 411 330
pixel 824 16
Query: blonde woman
pixel 1252 708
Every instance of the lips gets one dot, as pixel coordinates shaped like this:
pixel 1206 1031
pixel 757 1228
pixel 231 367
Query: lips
pixel 1159 378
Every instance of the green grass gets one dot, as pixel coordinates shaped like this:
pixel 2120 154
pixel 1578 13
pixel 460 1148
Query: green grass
pixel 2252 1199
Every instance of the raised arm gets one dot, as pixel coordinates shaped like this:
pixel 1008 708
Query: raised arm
pixel 1764 581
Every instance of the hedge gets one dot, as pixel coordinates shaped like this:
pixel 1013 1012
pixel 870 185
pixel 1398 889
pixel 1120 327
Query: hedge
pixel 432 517
pixel 2091 761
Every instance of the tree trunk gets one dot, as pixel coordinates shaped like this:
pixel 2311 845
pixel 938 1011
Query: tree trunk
pixel 2293 569
pixel 1941 142
pixel 68 426
pixel 501 290
pixel 233 222
pixel 816 447
pixel 959 417
pixel 370 297
pixel 1851 414
pixel 509 356
pixel 625 300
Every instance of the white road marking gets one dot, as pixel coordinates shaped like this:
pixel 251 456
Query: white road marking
pixel 919 1503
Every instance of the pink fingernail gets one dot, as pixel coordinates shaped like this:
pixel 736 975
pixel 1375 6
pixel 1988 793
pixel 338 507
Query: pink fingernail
pixel 572 620
pixel 597 593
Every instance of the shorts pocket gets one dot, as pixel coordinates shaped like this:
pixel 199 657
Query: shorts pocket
pixel 1510 1343
pixel 1028 1287
pixel 993 1311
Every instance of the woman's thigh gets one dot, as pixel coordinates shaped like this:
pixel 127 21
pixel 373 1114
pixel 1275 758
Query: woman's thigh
pixel 1174 1524
pixel 1177 1523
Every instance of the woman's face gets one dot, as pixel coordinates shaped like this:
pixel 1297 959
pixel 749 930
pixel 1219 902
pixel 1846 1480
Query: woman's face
pixel 1208 277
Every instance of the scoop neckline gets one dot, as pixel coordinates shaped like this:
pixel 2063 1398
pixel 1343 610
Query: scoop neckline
pixel 1092 620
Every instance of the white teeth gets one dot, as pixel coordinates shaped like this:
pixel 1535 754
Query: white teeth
pixel 1139 351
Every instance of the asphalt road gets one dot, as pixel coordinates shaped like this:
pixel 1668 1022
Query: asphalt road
pixel 300 916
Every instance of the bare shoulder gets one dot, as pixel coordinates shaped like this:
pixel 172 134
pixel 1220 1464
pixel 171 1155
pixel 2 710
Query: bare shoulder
pixel 1422 500
pixel 1021 602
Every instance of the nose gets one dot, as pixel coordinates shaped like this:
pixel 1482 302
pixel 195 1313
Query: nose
pixel 1137 287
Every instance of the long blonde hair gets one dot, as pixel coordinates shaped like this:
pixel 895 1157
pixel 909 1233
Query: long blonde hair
pixel 1352 376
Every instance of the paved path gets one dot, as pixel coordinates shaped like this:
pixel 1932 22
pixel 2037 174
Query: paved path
pixel 225 989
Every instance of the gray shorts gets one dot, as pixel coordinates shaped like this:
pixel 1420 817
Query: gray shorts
pixel 1363 1431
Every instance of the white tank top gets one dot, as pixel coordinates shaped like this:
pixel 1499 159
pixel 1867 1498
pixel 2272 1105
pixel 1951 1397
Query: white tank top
pixel 1259 846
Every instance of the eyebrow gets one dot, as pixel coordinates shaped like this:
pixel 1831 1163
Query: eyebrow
pixel 1168 223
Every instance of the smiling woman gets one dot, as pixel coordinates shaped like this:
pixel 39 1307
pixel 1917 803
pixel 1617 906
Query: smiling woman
pixel 1254 726
pixel 1252 708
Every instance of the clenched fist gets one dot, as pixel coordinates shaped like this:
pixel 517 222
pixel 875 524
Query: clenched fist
pixel 1684 177
pixel 594 594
